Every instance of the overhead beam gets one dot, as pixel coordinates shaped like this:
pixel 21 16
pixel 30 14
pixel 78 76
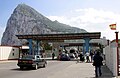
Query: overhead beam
pixel 65 36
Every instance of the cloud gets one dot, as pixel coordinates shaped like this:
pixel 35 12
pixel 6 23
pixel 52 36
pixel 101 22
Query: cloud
pixel 90 19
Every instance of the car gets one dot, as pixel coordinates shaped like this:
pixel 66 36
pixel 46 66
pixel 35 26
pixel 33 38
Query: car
pixel 31 61
pixel 64 57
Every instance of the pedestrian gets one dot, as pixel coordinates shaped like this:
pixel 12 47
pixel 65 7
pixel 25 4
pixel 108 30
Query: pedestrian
pixel 87 57
pixel 59 54
pixel 76 55
pixel 91 55
pixel 43 54
pixel 81 57
pixel 97 63
pixel 53 55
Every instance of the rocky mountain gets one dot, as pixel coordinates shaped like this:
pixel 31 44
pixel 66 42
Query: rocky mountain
pixel 26 20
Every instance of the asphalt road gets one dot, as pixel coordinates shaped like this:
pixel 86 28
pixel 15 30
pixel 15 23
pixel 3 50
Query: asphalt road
pixel 11 70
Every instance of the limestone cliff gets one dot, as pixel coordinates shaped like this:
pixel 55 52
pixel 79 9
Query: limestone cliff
pixel 26 20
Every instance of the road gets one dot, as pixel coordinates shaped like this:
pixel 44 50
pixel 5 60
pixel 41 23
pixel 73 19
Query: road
pixel 11 70
pixel 54 69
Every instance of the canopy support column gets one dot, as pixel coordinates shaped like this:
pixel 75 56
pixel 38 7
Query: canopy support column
pixel 37 47
pixel 30 46
pixel 87 44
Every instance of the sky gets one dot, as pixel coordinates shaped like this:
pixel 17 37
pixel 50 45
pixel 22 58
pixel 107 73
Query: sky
pixel 91 15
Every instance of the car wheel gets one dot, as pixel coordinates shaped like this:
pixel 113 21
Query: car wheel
pixel 36 67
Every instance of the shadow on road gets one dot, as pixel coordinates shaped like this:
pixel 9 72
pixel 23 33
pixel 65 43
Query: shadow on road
pixel 18 69
pixel 25 69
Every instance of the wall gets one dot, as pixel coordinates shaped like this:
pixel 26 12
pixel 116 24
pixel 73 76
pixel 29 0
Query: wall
pixel 111 58
pixel 7 52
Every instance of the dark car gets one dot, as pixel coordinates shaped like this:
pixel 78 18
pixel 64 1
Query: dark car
pixel 31 61
pixel 64 57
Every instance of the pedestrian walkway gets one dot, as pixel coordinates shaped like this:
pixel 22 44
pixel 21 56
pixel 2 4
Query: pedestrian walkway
pixel 90 69
pixel 81 70
pixel 106 73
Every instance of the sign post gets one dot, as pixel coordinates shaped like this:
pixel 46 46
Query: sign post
pixel 117 53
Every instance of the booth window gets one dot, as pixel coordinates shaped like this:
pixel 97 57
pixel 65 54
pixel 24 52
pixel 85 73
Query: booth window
pixel 13 54
pixel 13 49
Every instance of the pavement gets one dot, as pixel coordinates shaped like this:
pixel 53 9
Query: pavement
pixel 106 73
pixel 82 70
pixel 79 70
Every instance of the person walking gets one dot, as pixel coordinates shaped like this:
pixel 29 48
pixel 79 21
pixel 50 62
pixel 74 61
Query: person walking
pixel 53 55
pixel 91 55
pixel 97 63
pixel 81 57
pixel 87 57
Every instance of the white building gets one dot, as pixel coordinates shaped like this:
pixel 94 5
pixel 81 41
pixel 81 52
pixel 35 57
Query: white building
pixel 8 52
